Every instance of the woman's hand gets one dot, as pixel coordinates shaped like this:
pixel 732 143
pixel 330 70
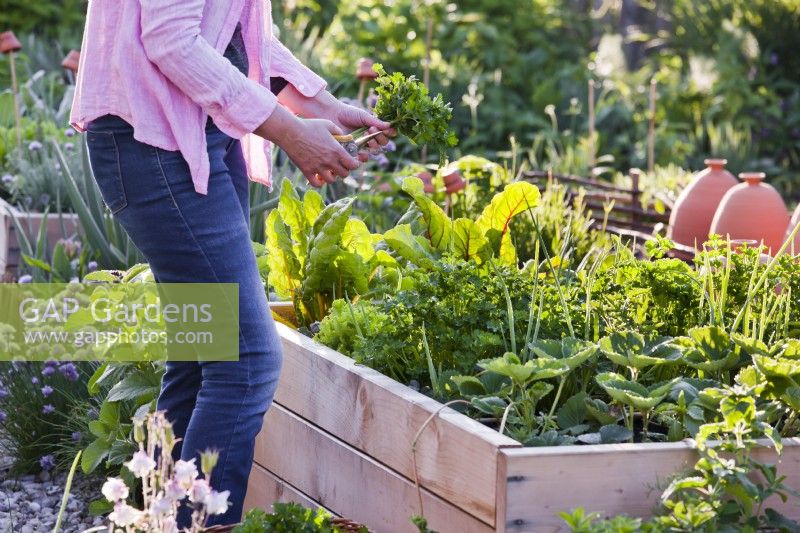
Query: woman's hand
pixel 350 118
pixel 310 145
pixel 347 117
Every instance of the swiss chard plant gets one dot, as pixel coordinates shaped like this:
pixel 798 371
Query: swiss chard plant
pixel 318 253
pixel 488 237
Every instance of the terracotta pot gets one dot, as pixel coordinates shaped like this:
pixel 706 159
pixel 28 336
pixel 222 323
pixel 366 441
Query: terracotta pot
pixel 752 210
pixel 427 181
pixel 70 62
pixel 9 42
pixel 364 70
pixel 794 247
pixel 453 181
pixel 690 221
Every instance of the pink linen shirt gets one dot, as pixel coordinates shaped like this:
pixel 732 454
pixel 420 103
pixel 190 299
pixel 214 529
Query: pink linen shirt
pixel 159 65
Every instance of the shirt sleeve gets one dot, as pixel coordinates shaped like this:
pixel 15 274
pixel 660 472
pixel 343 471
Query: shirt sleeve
pixel 284 65
pixel 172 41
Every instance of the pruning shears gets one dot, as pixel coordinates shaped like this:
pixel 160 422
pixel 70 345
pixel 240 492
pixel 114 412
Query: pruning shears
pixel 353 145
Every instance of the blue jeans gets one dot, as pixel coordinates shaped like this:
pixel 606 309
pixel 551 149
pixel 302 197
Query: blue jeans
pixel 189 237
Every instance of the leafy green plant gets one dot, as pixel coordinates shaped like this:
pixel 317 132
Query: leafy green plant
pixel 67 261
pixel 37 402
pixel 404 102
pixel 728 489
pixel 103 234
pixel 317 253
pixel 288 518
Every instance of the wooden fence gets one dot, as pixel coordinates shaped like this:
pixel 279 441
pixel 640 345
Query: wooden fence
pixel 626 217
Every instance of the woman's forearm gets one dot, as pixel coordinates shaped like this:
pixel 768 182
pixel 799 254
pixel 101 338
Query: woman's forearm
pixel 280 127
pixel 316 106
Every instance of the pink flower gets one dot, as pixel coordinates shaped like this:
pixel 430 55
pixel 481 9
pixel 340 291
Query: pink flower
pixel 174 491
pixel 217 502
pixel 141 464
pixel 162 506
pixel 185 473
pixel 200 491
pixel 114 489
pixel 124 515
pixel 169 525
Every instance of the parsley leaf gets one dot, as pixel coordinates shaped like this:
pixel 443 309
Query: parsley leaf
pixel 405 103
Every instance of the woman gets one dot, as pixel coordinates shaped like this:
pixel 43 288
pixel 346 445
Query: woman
pixel 178 101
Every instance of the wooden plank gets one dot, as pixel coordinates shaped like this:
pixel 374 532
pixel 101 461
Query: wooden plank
pixel 456 455
pixel 348 482
pixel 5 235
pixel 609 479
pixel 265 489
pixel 627 210
pixel 584 182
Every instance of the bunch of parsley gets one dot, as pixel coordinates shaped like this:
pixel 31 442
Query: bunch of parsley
pixel 405 103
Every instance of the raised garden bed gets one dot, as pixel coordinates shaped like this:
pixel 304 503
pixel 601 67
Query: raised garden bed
pixel 340 436
pixel 58 227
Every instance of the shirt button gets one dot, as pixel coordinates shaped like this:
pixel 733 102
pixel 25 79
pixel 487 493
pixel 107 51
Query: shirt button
pixel 301 87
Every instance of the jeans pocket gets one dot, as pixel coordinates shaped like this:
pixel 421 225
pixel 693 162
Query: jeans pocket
pixel 104 158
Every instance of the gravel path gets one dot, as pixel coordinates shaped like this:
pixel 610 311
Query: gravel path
pixel 29 504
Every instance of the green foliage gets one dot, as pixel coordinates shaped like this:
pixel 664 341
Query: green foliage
pixel 404 102
pixel 650 337
pixel 53 19
pixel 316 254
pixel 121 389
pixel 40 403
pixel 67 261
pixel 422 524
pixel 287 518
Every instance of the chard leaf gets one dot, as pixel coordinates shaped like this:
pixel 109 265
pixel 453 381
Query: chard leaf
pixel 284 266
pixel 293 215
pixel 313 204
pixel 413 249
pixel 321 277
pixel 468 241
pixel 438 226
pixel 496 217
pixel 357 238
pixel 351 274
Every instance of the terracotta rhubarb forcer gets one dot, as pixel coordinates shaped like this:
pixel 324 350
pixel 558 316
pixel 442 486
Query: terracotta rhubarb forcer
pixel 70 61
pixel 364 70
pixel 427 181
pixel 690 221
pixel 794 246
pixel 9 42
pixel 752 210
pixel 453 181
pixel 365 74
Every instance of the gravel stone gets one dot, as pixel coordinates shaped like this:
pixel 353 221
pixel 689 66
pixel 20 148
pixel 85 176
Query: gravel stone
pixel 30 503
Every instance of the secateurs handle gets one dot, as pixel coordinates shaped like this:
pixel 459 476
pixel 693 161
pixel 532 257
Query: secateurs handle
pixel 353 145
